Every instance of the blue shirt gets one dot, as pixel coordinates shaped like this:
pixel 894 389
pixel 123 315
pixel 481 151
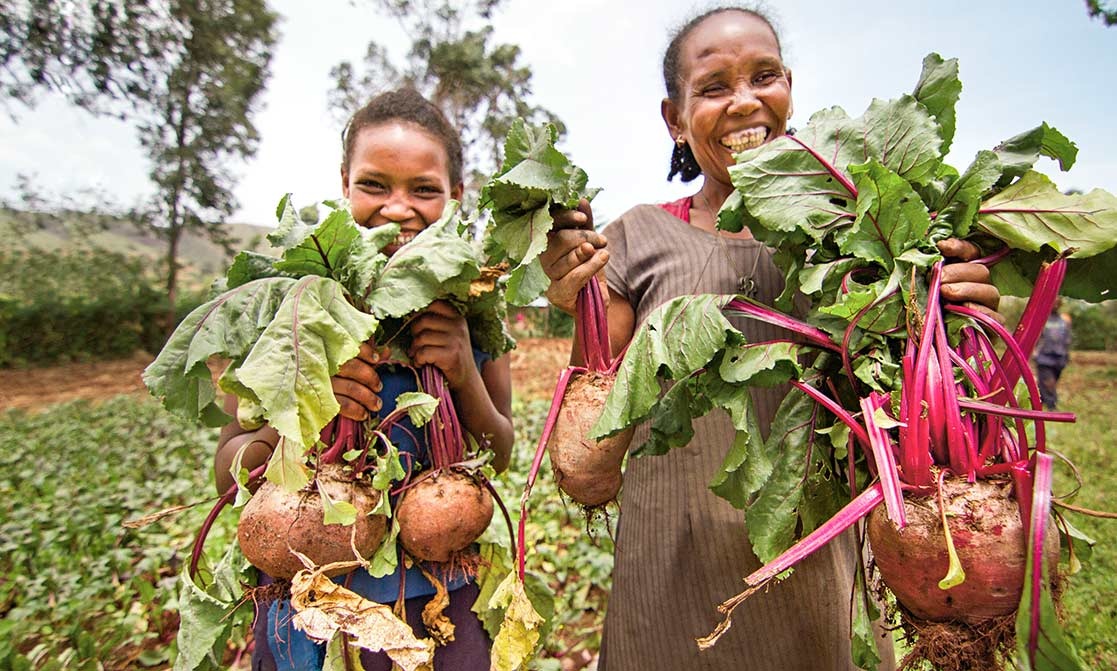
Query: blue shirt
pixel 291 648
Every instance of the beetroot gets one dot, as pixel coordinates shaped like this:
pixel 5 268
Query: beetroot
pixel 441 515
pixel 586 470
pixel 988 535
pixel 275 522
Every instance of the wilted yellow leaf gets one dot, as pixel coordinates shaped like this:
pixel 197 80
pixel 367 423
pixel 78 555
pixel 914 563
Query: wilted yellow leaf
pixel 324 608
pixel 519 632
pixel 486 282
pixel 434 613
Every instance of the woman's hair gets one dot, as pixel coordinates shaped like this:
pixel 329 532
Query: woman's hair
pixel 406 105
pixel 683 162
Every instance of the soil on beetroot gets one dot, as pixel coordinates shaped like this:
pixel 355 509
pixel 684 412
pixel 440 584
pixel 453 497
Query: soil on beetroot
pixel 536 364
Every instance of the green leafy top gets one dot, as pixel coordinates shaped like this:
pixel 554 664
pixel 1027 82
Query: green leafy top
pixel 534 177
pixel 287 323
pixel 853 208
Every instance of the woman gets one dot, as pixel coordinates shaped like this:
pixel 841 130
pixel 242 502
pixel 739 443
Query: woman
pixel 681 550
pixel 402 163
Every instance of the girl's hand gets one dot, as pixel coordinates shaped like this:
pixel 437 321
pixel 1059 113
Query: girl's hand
pixel 574 254
pixel 440 337
pixel 968 283
pixel 357 383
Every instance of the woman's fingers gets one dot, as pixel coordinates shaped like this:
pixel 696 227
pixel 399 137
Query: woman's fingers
pixel 962 250
pixel 965 272
pixel 972 292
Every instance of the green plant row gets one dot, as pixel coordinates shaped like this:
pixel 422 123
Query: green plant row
pixel 79 305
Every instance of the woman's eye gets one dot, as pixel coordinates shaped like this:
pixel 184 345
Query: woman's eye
pixel 767 78
pixel 713 89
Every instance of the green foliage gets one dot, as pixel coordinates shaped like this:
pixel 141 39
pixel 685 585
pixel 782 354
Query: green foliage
pixel 197 117
pixel 480 86
pixel 76 587
pixel 1101 10
pixel 534 178
pixel 77 305
pixel 91 52
pixel 1094 327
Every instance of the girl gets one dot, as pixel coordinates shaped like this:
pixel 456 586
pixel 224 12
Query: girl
pixel 402 162
pixel 681 550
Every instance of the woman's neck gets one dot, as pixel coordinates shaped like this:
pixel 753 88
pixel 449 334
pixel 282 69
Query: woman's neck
pixel 704 209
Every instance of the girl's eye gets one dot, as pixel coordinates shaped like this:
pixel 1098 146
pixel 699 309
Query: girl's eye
pixel 427 190
pixel 371 185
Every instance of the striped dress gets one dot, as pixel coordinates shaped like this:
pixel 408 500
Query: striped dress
pixel 680 549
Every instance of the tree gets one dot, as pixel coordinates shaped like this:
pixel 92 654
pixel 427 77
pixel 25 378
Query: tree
pixel 1097 9
pixel 95 52
pixel 480 86
pixel 197 118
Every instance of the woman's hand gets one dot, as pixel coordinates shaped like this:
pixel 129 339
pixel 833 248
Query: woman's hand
pixel 968 283
pixel 440 337
pixel 574 254
pixel 357 383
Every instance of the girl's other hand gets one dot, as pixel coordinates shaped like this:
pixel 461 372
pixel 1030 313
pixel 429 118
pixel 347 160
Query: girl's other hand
pixel 357 383
pixel 574 254
pixel 965 282
pixel 440 337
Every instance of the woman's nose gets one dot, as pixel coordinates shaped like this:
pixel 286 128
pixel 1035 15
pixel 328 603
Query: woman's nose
pixel 744 101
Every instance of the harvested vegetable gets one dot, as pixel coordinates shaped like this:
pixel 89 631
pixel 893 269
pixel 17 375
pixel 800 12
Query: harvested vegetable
pixel 903 401
pixel 285 325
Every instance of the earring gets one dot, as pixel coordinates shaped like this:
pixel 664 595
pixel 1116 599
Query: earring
pixel 680 142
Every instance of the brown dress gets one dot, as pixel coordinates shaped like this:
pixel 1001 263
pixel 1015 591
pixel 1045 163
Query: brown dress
pixel 681 550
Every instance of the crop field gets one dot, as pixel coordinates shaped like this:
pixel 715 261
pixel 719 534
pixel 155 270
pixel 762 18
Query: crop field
pixel 78 590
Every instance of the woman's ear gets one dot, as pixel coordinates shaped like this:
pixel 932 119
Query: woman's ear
pixel 790 99
pixel 670 115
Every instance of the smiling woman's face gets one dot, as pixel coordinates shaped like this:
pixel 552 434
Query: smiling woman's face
pixel 398 173
pixel 735 92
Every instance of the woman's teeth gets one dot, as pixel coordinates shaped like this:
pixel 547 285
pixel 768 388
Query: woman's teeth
pixel 746 139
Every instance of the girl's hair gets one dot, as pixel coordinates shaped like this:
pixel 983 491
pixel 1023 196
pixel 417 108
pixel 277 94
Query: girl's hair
pixel 406 105
pixel 683 162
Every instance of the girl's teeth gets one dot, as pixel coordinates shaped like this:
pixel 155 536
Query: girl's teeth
pixel 748 139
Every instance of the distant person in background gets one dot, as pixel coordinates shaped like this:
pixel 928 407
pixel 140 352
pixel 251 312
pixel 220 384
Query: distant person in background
pixel 1052 355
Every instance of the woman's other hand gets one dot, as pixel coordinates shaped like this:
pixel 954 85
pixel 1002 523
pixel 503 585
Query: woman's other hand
pixel 574 254
pixel 357 383
pixel 966 282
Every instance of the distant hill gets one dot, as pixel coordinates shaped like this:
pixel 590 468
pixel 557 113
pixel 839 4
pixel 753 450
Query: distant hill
pixel 200 257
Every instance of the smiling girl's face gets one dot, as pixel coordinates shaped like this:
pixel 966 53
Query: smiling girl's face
pixel 398 173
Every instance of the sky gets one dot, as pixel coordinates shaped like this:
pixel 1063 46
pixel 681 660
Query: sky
pixel 596 64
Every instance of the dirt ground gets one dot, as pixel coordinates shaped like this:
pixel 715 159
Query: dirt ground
pixel 536 364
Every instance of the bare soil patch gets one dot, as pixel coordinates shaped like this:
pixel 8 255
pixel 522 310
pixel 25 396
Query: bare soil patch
pixel 536 364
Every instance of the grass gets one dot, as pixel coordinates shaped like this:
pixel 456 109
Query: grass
pixel 1088 389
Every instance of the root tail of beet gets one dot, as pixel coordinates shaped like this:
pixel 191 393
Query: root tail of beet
pixel 548 427
pixel 227 498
